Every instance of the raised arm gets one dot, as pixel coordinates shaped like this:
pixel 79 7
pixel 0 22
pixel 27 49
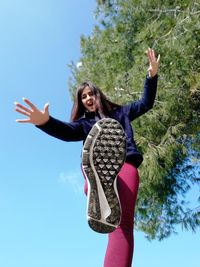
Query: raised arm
pixel 72 131
pixel 33 114
pixel 138 108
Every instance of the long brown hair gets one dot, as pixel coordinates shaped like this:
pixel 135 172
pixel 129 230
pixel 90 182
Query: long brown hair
pixel 104 106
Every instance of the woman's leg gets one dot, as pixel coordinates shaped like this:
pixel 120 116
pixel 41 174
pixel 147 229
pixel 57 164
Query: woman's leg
pixel 119 251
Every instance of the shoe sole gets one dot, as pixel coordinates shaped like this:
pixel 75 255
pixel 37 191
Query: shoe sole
pixel 103 155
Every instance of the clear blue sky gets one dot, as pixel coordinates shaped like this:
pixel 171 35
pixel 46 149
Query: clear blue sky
pixel 42 206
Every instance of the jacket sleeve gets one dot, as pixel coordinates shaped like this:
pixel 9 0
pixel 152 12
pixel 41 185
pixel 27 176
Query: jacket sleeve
pixel 137 108
pixel 72 131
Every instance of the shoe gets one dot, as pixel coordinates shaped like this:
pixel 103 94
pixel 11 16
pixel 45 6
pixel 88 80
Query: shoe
pixel 103 155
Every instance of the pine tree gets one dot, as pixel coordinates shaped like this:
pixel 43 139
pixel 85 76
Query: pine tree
pixel 113 57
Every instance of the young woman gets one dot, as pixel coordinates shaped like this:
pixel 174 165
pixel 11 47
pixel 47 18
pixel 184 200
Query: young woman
pixel 90 107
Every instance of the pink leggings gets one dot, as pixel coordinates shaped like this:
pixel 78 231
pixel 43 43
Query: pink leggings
pixel 120 242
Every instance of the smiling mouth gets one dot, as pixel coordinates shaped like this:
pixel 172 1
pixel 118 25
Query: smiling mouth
pixel 90 104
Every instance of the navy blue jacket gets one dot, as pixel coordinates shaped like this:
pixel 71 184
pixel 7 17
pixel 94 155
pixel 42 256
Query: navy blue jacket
pixel 79 129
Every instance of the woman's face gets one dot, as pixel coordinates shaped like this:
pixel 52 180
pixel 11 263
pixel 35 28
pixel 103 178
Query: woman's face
pixel 88 99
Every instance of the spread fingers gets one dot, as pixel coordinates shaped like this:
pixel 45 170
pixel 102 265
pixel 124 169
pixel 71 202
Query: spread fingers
pixel 22 108
pixel 23 112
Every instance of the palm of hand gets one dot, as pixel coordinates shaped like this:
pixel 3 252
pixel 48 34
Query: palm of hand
pixel 35 116
pixel 153 62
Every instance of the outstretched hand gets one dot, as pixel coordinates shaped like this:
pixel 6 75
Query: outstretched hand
pixel 153 62
pixel 35 116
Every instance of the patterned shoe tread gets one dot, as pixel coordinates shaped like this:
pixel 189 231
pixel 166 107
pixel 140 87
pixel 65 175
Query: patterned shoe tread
pixel 104 153
pixel 100 227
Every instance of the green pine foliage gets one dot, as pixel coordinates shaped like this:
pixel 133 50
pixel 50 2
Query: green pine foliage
pixel 113 57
